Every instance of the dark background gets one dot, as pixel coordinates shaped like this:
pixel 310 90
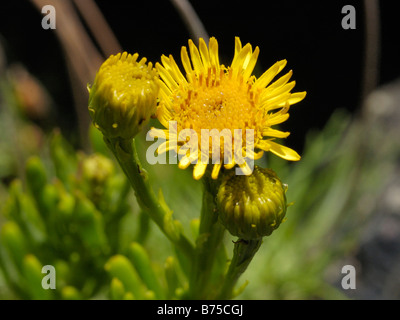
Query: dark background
pixel 326 59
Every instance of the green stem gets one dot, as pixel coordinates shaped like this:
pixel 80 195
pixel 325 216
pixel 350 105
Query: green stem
pixel 143 227
pixel 126 154
pixel 243 253
pixel 210 237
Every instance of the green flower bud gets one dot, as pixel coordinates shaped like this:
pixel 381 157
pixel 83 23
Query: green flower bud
pixel 252 206
pixel 97 168
pixel 123 96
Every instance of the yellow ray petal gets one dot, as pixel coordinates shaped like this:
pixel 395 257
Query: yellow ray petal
pixel 251 154
pixel 245 168
pixel 295 98
pixel 275 133
pixel 214 58
pixel 230 165
pixel 268 94
pixel 283 152
pixel 252 64
pixel 215 170
pixel 167 146
pixel 186 61
pixel 241 61
pixel 199 170
pixel 258 155
pixel 238 45
pixel 164 116
pixel 195 57
pixel 205 57
pixel 166 76
pixel 275 102
pixel 281 81
pixel 279 118
pixel 186 161
pixel 171 66
pixel 270 74
pixel 164 90
pixel 158 133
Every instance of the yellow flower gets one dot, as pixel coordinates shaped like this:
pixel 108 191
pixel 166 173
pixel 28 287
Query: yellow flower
pixel 212 96
pixel 123 96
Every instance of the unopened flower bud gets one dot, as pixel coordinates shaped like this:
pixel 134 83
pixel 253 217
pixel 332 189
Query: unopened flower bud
pixel 123 96
pixel 97 168
pixel 253 206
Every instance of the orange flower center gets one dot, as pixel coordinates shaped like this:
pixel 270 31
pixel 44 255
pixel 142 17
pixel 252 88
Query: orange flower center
pixel 218 102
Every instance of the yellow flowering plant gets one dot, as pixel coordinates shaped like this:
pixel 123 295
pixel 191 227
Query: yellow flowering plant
pixel 184 185
pixel 210 114
pixel 214 97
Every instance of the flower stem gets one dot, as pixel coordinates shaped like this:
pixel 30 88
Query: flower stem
pixel 210 237
pixel 243 253
pixel 126 154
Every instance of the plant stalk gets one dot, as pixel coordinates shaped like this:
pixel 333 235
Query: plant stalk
pixel 243 253
pixel 126 154
pixel 207 244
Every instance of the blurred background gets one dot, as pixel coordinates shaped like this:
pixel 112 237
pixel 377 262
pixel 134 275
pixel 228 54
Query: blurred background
pixel 346 188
